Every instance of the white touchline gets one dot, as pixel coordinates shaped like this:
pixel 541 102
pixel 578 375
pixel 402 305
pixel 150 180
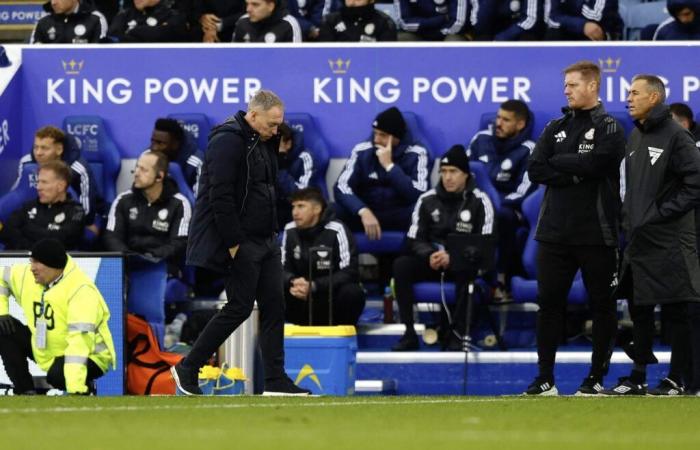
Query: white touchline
pixel 91 409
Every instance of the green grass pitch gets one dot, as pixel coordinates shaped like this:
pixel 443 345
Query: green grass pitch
pixel 358 423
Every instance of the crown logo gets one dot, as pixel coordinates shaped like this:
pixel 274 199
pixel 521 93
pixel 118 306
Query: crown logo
pixel 609 65
pixel 72 67
pixel 339 66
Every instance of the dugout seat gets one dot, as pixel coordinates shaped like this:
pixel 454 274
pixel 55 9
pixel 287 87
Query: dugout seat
pixel 146 293
pixel 307 130
pixel 197 125
pixel 99 149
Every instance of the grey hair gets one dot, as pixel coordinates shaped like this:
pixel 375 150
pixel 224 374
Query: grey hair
pixel 264 100
pixel 654 84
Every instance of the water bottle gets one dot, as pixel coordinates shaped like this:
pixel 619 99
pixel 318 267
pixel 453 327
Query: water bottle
pixel 388 306
pixel 174 330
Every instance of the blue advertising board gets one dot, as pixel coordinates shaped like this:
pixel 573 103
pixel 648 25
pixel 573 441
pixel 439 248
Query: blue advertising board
pixel 447 86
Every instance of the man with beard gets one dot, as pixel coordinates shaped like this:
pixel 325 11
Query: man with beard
pixel 504 149
pixel 684 23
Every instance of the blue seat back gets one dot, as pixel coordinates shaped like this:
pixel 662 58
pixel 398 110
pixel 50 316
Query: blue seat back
pixel 197 125
pixel 641 15
pixel 315 142
pixel 483 182
pixel 98 149
pixel 414 133
pixel 22 193
pixel 175 172
pixel 146 293
pixel 531 211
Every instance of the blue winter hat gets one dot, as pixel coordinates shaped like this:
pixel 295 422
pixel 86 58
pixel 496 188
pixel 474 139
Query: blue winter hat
pixel 4 60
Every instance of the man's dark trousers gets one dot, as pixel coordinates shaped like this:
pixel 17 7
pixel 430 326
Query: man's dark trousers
pixel 255 274
pixel 557 265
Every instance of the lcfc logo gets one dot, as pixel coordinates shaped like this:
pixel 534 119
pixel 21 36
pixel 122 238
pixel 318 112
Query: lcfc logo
pixel 609 65
pixel 339 66
pixel 72 67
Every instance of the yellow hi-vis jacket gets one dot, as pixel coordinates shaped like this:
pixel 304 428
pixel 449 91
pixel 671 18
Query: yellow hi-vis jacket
pixel 76 317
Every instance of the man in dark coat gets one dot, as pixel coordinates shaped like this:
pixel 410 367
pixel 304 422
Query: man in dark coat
pixel 684 23
pixel 662 170
pixel 233 232
pixel 578 159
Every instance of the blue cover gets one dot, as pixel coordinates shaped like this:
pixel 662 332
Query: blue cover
pixel 325 365
pixel 99 150
pixel 197 125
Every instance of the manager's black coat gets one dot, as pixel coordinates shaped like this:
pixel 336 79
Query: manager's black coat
pixel 236 197
pixel 662 188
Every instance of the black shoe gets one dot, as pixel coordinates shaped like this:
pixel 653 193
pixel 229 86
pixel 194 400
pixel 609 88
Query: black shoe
pixel 590 387
pixel 667 387
pixel 186 379
pixel 283 387
pixel 626 387
pixel 407 343
pixel 540 386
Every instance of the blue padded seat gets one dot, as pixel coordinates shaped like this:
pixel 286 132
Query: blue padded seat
pixel 99 149
pixel 197 125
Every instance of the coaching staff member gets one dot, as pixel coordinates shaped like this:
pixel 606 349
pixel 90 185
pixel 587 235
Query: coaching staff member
pixel 233 232
pixel 662 169
pixel 577 158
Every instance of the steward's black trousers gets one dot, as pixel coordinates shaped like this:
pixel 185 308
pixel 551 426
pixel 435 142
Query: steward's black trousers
pixel 557 265
pixel 17 347
pixel 255 274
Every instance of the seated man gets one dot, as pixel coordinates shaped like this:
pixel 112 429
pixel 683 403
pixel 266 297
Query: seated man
pixel 52 144
pixel 152 218
pixel 67 331
pixel 357 21
pixel 169 138
pixel 296 170
pixel 267 21
pixel 212 20
pixel 507 20
pixel 313 226
pixel 53 214
pixel 504 148
pixel 682 114
pixel 432 20
pixel 382 179
pixel 684 23
pixel 70 22
pixel 309 14
pixel 149 21
pixel 581 20
pixel 453 206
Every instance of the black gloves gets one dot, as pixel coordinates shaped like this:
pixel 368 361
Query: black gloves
pixel 7 325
